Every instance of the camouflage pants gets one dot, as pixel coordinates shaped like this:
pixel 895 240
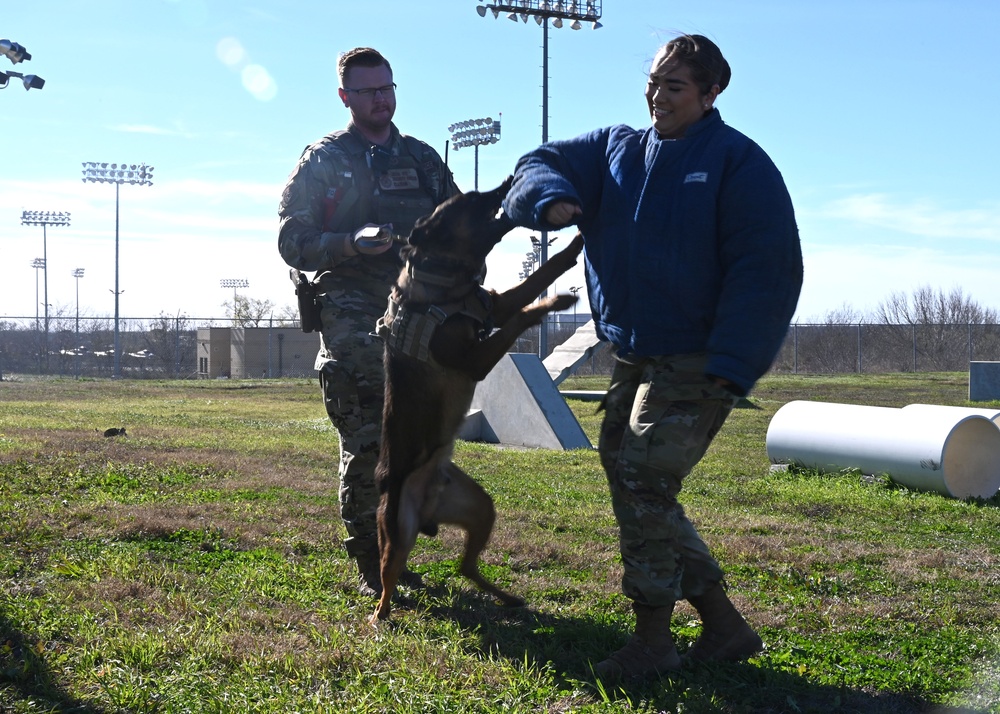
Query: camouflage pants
pixel 353 393
pixel 662 414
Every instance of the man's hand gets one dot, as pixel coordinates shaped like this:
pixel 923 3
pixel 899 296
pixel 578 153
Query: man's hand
pixel 562 213
pixel 372 239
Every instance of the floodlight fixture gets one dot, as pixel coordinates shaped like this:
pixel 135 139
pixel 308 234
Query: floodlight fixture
pixel 575 11
pixel 102 172
pixel 44 218
pixel 30 81
pixel 14 52
pixel 475 133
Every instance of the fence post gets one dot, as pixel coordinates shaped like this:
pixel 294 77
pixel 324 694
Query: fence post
pixel 795 348
pixel 860 369
pixel 177 346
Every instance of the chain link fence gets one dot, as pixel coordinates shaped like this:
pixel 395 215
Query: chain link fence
pixel 211 348
pixel 874 349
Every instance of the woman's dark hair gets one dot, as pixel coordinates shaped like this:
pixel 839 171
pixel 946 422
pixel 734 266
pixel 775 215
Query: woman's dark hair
pixel 360 57
pixel 703 57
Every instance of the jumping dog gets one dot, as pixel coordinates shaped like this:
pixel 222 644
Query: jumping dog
pixel 443 333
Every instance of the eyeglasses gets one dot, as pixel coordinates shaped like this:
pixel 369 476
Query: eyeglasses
pixel 370 92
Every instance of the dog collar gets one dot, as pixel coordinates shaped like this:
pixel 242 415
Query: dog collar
pixel 448 277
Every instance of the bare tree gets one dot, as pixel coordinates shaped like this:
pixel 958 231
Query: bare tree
pixel 170 343
pixel 846 314
pixel 941 334
pixel 287 316
pixel 247 311
pixel 924 306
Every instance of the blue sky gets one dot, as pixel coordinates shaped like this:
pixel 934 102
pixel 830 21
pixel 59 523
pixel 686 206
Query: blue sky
pixel 879 113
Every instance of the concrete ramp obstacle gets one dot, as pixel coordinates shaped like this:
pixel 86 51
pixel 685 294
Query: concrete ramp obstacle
pixel 518 405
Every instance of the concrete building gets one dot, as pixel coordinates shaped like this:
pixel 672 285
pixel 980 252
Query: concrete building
pixel 256 352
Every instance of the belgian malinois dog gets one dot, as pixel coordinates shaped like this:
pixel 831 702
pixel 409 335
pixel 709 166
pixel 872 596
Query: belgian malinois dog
pixel 443 333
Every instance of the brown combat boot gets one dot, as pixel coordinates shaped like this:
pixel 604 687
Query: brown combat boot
pixel 725 635
pixel 370 572
pixel 649 652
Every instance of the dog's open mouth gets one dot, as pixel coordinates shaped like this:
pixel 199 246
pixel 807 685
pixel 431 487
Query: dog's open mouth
pixel 498 219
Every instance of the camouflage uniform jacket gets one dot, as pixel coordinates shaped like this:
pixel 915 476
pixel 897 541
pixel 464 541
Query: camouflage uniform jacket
pixel 341 183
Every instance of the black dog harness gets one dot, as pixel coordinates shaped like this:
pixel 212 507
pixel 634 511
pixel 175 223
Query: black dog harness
pixel 408 328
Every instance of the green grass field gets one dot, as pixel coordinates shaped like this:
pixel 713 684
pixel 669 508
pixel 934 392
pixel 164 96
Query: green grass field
pixel 195 566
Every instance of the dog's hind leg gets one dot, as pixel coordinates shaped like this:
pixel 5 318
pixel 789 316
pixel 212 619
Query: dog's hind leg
pixel 466 504
pixel 395 549
pixel 396 540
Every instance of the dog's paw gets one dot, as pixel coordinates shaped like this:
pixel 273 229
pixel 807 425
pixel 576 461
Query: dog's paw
pixel 571 252
pixel 508 600
pixel 563 302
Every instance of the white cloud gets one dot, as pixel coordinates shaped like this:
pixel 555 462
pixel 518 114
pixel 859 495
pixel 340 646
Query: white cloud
pixel 149 129
pixel 922 217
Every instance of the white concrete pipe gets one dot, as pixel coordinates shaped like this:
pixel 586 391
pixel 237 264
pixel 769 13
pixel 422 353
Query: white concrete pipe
pixel 992 414
pixel 942 449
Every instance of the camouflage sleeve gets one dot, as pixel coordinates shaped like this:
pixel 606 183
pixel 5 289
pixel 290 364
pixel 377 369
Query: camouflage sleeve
pixel 302 242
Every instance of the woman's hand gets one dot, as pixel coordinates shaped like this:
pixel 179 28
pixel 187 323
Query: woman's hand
pixel 561 213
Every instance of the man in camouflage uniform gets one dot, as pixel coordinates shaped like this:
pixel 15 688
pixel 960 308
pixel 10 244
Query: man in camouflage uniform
pixel 352 198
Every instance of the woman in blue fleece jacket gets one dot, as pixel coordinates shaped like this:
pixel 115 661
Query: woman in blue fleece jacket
pixel 693 271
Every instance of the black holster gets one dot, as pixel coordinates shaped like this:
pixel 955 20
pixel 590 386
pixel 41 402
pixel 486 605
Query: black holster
pixel 309 307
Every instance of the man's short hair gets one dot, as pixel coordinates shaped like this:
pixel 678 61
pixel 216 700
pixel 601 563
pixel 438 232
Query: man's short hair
pixel 360 57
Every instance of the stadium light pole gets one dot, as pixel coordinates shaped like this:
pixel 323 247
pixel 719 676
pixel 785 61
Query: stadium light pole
pixel 475 133
pixel 137 175
pixel 77 273
pixel 45 219
pixel 546 12
pixel 234 283
pixel 38 264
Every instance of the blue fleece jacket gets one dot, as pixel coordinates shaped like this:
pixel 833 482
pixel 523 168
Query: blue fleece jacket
pixel 691 244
